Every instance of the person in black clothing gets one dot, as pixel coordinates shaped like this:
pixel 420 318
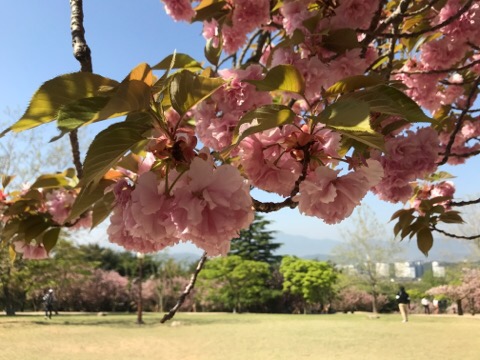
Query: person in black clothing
pixel 403 300
pixel 48 300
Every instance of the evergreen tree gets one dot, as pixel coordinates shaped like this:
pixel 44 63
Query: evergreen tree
pixel 256 243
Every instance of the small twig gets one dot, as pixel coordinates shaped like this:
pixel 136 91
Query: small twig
pixel 438 71
pixel 257 55
pixel 247 47
pixel 391 53
pixel 466 155
pixel 372 27
pixel 187 290
pixel 473 237
pixel 468 104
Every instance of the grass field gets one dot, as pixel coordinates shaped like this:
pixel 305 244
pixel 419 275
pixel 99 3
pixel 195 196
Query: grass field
pixel 239 336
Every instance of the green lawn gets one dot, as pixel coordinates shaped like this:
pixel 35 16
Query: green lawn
pixel 239 336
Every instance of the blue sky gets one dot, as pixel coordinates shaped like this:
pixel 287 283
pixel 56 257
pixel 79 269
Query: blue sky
pixel 36 46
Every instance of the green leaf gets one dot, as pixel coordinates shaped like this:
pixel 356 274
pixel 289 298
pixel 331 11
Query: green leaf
pixel 389 100
pixel 451 217
pixel 424 240
pixel 341 40
pixel 53 181
pixel 109 146
pixel 180 61
pixel 208 9
pixel 440 175
pixel 281 77
pixel 58 92
pixel 33 227
pixel 80 112
pixel 404 221
pixel 131 95
pixel 213 53
pixel 349 115
pixel 7 179
pixel 266 117
pixel 87 197
pixel 102 208
pixel 11 229
pixel 50 238
pixel 188 89
pixel 352 83
pixel 370 139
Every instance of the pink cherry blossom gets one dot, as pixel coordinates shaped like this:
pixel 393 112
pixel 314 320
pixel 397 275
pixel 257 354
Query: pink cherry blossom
pixel 407 158
pixel 332 198
pixel 59 203
pixel 267 164
pixel 250 14
pixel 211 32
pixel 233 38
pixel 179 9
pixel 354 14
pixel 141 220
pixel 31 251
pixel 212 205
pixel 295 12
pixel 217 117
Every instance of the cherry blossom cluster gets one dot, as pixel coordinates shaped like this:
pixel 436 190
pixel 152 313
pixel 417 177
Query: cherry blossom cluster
pixel 207 204
pixel 54 205
pixel 304 161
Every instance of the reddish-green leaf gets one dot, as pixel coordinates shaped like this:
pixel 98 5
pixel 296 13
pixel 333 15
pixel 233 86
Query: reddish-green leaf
pixel 424 240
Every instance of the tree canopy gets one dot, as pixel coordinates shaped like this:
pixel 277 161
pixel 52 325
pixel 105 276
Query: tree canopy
pixel 317 102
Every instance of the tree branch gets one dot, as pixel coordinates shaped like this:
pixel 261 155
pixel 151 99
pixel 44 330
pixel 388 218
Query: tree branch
pixel 81 52
pixel 271 206
pixel 187 290
pixel 473 237
pixel 464 203
pixel 425 8
pixel 373 25
pixel 451 19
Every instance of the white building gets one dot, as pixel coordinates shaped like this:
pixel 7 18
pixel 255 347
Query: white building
pixel 404 270
pixel 438 271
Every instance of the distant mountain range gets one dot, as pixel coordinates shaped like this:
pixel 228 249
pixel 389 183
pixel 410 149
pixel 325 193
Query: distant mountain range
pixel 444 250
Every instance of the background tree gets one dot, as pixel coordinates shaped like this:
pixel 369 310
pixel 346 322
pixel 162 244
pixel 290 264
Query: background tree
pixel 234 283
pixel 313 281
pixel 256 243
pixel 367 246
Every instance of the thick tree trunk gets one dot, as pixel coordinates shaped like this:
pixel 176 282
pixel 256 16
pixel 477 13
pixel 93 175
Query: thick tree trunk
pixel 9 303
pixel 459 307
